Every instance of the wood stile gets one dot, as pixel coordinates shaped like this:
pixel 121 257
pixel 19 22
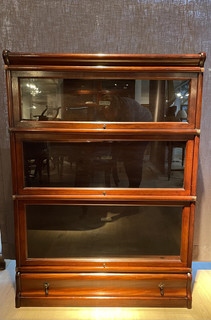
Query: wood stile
pixel 2 263
pixel 191 233
pixel 195 165
pixel 189 291
pixel 16 98
pixel 199 99
pixel 13 163
pixel 9 98
pixel 192 100
pixel 18 290
pixel 17 233
pixel 147 280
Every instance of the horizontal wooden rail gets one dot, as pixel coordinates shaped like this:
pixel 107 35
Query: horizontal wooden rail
pixel 66 59
pixel 145 132
pixel 105 68
pixel 107 199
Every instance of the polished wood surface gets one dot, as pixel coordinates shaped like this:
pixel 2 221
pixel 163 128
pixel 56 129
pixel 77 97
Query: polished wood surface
pixel 104 281
pixel 2 262
pixel 16 123
pixel 118 288
pixel 12 58
pixel 201 308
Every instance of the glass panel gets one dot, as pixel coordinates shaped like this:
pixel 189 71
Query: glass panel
pixel 104 100
pixel 62 231
pixel 124 164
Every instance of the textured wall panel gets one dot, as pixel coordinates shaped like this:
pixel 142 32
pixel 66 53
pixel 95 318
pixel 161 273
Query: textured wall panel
pixel 120 26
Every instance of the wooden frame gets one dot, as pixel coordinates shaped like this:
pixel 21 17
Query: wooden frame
pixel 81 192
pixel 130 281
pixel 98 264
pixel 99 126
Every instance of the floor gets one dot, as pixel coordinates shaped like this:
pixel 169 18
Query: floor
pixel 201 304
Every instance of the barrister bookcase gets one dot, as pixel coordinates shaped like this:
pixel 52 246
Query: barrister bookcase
pixel 104 151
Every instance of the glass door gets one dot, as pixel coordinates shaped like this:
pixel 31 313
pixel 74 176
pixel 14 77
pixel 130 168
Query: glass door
pixel 112 100
pixel 69 231
pixel 105 164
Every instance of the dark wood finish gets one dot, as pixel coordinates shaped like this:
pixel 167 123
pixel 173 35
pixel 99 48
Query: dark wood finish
pixel 114 285
pixel 13 163
pixel 97 197
pixel 18 290
pixel 108 302
pixel 199 100
pixel 65 59
pixel 100 264
pixel 134 268
pixel 195 165
pixel 114 133
pixel 106 69
pixel 147 280
pixel 110 192
pixel 118 288
pixel 103 75
pixel 9 98
pixel 2 263
pixel 191 231
pixel 97 126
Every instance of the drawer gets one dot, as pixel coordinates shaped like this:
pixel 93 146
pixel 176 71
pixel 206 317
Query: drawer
pixel 91 287
pixel 104 285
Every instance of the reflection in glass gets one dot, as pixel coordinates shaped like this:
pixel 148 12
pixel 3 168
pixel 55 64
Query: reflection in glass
pixel 64 231
pixel 111 100
pixel 127 164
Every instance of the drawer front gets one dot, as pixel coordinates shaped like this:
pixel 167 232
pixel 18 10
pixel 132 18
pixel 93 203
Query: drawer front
pixel 103 285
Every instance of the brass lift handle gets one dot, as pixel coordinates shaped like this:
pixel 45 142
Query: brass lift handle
pixel 161 286
pixel 46 287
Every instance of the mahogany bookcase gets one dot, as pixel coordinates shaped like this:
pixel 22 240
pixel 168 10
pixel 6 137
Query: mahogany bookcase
pixel 104 151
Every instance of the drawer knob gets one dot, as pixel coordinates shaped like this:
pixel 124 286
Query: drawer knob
pixel 46 287
pixel 161 286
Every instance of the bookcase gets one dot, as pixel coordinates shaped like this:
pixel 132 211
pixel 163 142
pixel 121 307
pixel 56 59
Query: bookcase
pixel 104 152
